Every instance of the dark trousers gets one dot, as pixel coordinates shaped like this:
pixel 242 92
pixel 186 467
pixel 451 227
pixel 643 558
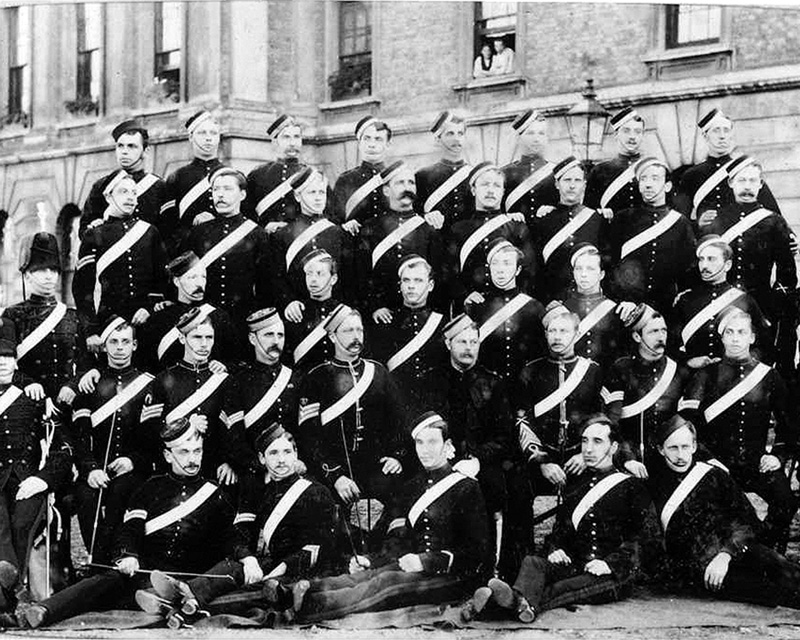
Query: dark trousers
pixel 775 489
pixel 205 589
pixel 17 518
pixel 548 586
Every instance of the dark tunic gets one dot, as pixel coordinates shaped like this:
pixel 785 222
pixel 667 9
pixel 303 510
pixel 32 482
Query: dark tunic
pixel 603 341
pixel 603 174
pixel 314 312
pixel 543 193
pixel 263 180
pixel 458 203
pixel 347 183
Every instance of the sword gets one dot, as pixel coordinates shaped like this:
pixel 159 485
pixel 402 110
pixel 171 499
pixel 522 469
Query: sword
pixel 563 424
pixel 183 574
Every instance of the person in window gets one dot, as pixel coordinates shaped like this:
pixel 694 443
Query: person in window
pixel 503 60
pixel 483 63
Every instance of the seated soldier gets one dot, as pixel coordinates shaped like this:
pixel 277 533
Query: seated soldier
pixel 594 549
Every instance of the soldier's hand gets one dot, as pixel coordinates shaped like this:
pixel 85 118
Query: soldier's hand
pixel 294 311
pixel 252 570
pixel 65 395
pixel 94 223
pixel 300 467
pixel 128 565
pixel 516 216
pixel 140 317
pixel 716 571
pixel 575 465
pixel 707 217
pixel 435 219
pixel 542 211
pixel 98 479
pixel 35 391
pixel 597 567
pixel 199 422
pixel 352 227
pixel 769 463
pixel 410 563
pixel 382 316
pixel 636 468
pixel 698 362
pixel 215 366
pixel 470 467
pixel 160 306
pixel 272 227
pixel 30 486
pixel 553 473
pixel 358 563
pixel 607 213
pixel 474 298
pixel 225 474
pixel 120 466
pixel 200 218
pixel 559 556
pixel 624 310
pixel 391 466
pixel 93 344
pixel 88 381
pixel 347 489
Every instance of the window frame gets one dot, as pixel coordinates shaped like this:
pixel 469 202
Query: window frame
pixel 482 32
pixel 163 72
pixel 672 17
pixel 364 57
pixel 87 58
pixel 19 83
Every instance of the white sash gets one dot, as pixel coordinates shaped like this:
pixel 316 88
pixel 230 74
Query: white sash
pixel 351 397
pixel 440 193
pixel 650 398
pixel 273 196
pixel 560 395
pixel 38 334
pixel 741 389
pixel 121 399
pixel 228 242
pixel 502 314
pixel 620 181
pixel 686 486
pixel 594 494
pixel 416 343
pixel 362 192
pixel 197 398
pixel 529 183
pixel 709 311
pixel 307 343
pixel 115 251
pixel 479 234
pixel 286 502
pixel 432 494
pixel 304 238
pixel 749 221
pixel 147 181
pixel 566 231
pixel 649 234
pixel 181 511
pixel 268 399
pixel 191 195
pixel 708 186
pixel 9 397
pixel 172 335
pixel 593 317
pixel 407 227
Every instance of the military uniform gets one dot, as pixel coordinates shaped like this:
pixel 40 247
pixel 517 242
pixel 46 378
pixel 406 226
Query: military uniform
pixel 307 344
pixel 600 334
pixel 347 183
pixel 604 192
pixel 262 181
pixel 455 204
pixel 542 192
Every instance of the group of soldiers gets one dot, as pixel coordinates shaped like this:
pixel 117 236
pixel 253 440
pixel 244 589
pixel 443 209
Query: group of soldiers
pixel 318 401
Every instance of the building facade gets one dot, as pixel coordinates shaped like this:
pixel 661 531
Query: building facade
pixel 70 72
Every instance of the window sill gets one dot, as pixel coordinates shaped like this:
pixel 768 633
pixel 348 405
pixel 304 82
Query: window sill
pixel 689 61
pixel 512 85
pixel 351 104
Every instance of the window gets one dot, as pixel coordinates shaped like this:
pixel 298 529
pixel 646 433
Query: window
pixel 19 68
pixel 495 23
pixel 692 25
pixel 90 38
pixel 354 77
pixel 169 45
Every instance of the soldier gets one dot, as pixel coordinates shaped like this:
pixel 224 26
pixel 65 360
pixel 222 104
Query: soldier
pixel 189 199
pixel 114 454
pixel 357 194
pixel 560 228
pixel 177 521
pixel 611 186
pixel 710 528
pixel 652 244
pixel 594 552
pixel 529 181
pixel 308 231
pixel 698 310
pixel 509 321
pixel 468 240
pixel 734 401
pixel 52 343
pixel 131 142
pixel 233 250
pixel 444 186
pixel 120 264
pixel 387 238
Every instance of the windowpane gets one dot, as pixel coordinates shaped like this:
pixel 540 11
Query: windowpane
pixel 93 26
pixel 19 71
pixel 693 24
pixel 354 76
pixel 171 26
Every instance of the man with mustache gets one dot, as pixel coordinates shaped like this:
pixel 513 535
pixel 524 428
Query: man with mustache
pixel 189 200
pixel 733 403
pixel 711 530
pixel 697 311
pixel 386 239
pixel 177 521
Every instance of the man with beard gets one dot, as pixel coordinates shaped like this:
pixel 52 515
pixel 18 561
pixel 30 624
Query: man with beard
pixel 711 530
pixel 652 244
pixel 189 200
pixel 734 402
pixel 386 239
pixel 594 552
pixel 611 186
pixel 120 264
pixel 444 186
pixel 177 521
pixel 468 240
pixel 351 419
pixel 131 142
pixel 529 182
pixel 698 310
